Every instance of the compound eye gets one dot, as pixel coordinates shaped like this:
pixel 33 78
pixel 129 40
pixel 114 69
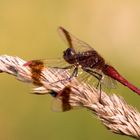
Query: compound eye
pixel 70 52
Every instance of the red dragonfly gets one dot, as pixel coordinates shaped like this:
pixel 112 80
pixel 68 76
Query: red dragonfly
pixel 81 55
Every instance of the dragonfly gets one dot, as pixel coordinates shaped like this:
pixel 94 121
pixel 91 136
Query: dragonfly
pixel 80 55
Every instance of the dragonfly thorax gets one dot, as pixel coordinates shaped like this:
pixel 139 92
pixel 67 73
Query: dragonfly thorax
pixel 90 59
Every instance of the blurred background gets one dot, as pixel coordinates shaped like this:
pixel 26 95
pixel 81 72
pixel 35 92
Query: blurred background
pixel 28 29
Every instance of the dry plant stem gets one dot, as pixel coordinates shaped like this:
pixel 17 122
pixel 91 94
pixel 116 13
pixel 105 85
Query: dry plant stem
pixel 113 111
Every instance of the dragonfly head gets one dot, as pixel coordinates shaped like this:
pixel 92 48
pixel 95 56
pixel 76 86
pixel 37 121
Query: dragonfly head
pixel 69 55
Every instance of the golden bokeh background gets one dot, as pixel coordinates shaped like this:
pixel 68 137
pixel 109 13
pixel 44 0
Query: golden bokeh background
pixel 28 29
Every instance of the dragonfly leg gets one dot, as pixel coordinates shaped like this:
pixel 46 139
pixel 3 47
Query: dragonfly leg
pixel 98 76
pixel 99 85
pixel 100 89
pixel 75 72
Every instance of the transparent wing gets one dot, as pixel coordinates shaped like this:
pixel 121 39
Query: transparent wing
pixel 38 66
pixel 48 63
pixel 59 106
pixel 58 62
pixel 86 78
pixel 108 82
pixel 61 101
pixel 73 42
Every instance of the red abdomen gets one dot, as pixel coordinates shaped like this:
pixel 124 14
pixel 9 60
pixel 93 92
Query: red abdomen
pixel 112 72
